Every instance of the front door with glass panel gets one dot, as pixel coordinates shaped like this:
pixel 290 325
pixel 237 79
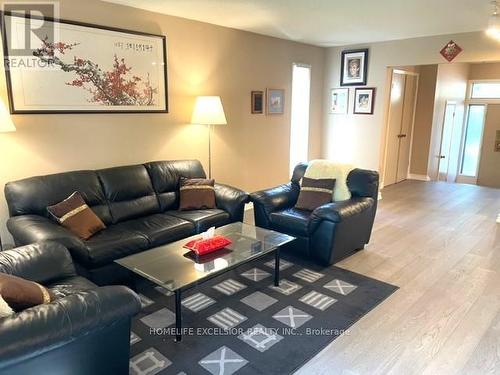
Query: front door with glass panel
pixel 472 143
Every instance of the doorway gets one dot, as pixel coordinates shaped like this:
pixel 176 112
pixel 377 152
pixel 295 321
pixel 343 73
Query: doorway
pixel 401 116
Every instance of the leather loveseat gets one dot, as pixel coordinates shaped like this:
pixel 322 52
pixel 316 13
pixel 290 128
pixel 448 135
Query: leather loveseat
pixel 86 330
pixel 330 232
pixel 138 204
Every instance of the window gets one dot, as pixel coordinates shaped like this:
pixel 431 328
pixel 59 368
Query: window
pixel 473 139
pixel 485 90
pixel 299 132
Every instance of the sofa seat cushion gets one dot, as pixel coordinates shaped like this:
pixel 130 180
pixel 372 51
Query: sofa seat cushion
pixel 203 219
pixel 130 237
pixel 71 285
pixel 114 242
pixel 160 229
pixel 291 221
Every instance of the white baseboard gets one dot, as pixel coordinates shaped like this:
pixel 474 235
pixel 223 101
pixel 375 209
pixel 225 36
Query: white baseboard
pixel 418 177
pixel 379 195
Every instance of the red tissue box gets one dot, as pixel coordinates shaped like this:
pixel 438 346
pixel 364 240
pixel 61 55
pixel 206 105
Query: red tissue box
pixel 202 247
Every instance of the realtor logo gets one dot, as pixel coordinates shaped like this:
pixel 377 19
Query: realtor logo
pixel 26 24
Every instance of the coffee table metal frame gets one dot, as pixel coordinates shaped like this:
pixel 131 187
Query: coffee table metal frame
pixel 178 291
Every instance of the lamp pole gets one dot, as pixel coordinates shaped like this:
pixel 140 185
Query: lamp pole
pixel 209 151
pixel 208 111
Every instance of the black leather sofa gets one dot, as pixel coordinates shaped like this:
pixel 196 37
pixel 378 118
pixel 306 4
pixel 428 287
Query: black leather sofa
pixel 86 330
pixel 330 232
pixel 138 204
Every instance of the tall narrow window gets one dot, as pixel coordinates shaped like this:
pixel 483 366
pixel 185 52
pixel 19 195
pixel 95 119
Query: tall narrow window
pixel 299 132
pixel 473 140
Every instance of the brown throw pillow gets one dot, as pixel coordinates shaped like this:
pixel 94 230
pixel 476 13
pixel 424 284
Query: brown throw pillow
pixel 74 214
pixel 196 194
pixel 21 294
pixel 315 193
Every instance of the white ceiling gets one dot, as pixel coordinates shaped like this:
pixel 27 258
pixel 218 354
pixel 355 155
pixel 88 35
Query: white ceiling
pixel 331 22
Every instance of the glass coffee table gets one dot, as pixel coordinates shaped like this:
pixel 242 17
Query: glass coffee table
pixel 173 268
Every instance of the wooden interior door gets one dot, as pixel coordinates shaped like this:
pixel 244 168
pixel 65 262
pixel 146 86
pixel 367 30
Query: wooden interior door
pixel 394 127
pixel 410 92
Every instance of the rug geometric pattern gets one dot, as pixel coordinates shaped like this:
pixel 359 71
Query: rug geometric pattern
pixel 240 323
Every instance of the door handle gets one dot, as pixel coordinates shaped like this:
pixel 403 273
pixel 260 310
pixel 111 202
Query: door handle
pixel 401 135
pixel 441 156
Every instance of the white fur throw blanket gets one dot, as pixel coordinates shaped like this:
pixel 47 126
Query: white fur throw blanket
pixel 327 169
pixel 5 309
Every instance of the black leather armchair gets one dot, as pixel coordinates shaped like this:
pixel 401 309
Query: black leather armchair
pixel 330 232
pixel 86 330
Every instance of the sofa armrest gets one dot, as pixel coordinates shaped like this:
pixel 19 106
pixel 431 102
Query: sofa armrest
pixel 42 328
pixel 278 198
pixel 27 229
pixel 231 200
pixel 337 212
pixel 42 262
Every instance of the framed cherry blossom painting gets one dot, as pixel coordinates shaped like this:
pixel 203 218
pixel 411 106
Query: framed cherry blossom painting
pixel 59 66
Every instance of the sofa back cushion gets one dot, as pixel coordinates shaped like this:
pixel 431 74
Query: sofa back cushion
pixel 363 183
pixel 298 172
pixel 165 176
pixel 129 192
pixel 32 196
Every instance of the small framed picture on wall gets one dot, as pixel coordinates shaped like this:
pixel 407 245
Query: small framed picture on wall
pixel 257 102
pixel 354 67
pixel 364 101
pixel 339 101
pixel 275 101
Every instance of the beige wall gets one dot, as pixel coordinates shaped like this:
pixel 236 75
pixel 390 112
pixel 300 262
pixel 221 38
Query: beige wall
pixel 251 152
pixel 484 71
pixel 489 166
pixel 424 111
pixel 358 138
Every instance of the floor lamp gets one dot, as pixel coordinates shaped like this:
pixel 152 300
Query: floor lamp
pixel 208 110
pixel 6 125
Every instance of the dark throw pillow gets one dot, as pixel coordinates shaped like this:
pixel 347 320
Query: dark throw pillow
pixel 21 294
pixel 196 194
pixel 315 193
pixel 74 214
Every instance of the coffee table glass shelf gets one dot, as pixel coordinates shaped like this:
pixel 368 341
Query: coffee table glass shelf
pixel 173 268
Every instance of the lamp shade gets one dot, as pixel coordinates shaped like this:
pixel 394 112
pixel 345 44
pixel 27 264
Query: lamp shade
pixel 6 124
pixel 208 111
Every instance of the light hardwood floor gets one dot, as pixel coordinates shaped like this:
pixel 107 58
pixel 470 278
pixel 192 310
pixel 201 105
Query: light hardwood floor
pixel 440 244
